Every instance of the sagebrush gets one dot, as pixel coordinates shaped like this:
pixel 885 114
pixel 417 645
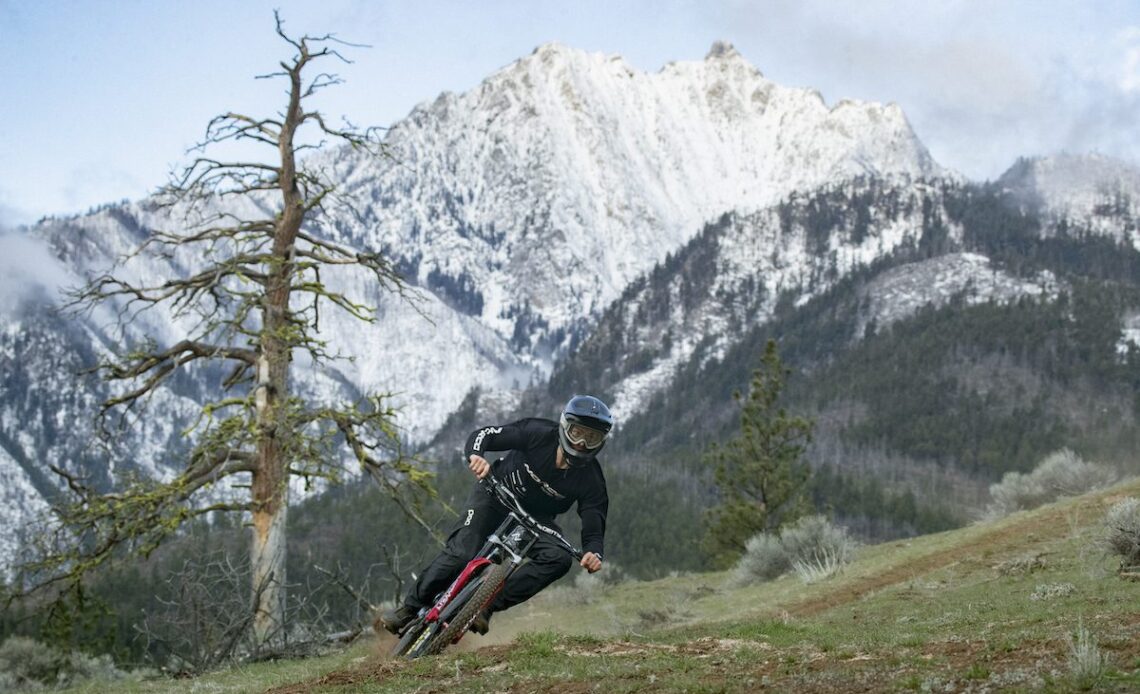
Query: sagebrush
pixel 1086 662
pixel 1122 533
pixel 1061 473
pixel 27 664
pixel 813 547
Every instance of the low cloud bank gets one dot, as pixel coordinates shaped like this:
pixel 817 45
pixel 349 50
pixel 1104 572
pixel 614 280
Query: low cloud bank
pixel 28 271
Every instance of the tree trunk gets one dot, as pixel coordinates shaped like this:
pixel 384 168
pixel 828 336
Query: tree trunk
pixel 270 489
pixel 270 495
pixel 267 558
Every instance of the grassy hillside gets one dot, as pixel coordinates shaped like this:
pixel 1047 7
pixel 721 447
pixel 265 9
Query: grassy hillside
pixel 991 606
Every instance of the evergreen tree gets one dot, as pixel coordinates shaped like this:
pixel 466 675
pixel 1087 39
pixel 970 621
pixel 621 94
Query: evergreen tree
pixel 760 471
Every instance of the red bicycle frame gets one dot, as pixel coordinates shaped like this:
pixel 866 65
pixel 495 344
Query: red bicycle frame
pixel 456 586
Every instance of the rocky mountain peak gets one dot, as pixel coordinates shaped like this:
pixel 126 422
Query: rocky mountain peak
pixel 722 50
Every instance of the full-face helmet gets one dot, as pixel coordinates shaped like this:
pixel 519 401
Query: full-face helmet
pixel 583 428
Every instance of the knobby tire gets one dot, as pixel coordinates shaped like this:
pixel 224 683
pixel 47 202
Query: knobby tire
pixel 491 582
pixel 411 633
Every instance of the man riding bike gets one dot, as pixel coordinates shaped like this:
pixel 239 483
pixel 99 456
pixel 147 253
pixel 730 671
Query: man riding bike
pixel 550 466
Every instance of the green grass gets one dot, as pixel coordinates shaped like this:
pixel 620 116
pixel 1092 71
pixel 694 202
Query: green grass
pixel 992 606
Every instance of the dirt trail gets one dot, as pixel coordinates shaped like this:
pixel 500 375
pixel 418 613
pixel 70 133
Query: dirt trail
pixel 1010 538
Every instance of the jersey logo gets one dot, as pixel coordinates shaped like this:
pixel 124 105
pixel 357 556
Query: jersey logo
pixel 483 434
pixel 551 491
pixel 517 482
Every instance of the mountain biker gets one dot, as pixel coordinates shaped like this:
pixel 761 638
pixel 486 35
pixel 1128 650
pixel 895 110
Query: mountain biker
pixel 550 466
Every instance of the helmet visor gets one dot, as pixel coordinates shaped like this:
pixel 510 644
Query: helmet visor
pixel 582 435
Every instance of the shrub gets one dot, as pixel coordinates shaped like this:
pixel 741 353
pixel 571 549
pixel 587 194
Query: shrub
pixel 813 547
pixel 764 558
pixel 817 548
pixel 1061 473
pixel 1087 664
pixel 28 664
pixel 1048 591
pixel 28 661
pixel 1122 533
pixel 1025 564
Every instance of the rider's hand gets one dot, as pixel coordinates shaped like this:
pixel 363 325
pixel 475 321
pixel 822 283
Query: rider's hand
pixel 591 562
pixel 478 465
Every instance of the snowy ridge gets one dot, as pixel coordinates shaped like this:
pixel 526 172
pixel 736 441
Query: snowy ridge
pixel 900 292
pixel 524 206
pixel 1097 191
pixel 566 174
pixel 753 260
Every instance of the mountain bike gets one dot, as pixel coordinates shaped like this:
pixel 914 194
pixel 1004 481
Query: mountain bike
pixel 456 608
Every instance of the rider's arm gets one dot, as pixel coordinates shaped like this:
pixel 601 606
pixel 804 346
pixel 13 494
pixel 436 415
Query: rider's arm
pixel 592 509
pixel 506 437
pixel 493 438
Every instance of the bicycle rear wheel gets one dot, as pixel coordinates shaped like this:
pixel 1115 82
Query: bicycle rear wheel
pixel 491 582
pixel 411 634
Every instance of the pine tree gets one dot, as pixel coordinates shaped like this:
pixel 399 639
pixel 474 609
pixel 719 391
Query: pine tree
pixel 760 472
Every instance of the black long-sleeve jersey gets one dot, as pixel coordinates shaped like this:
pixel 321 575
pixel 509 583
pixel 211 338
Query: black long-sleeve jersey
pixel 528 469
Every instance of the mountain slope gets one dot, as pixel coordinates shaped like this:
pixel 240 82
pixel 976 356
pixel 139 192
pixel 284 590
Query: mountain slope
pixel 1101 192
pixel 977 338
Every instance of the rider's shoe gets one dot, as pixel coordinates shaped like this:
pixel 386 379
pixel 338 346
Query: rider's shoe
pixel 482 622
pixel 397 618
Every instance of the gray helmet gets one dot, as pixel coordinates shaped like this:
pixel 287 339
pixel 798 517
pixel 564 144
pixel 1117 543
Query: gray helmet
pixel 583 428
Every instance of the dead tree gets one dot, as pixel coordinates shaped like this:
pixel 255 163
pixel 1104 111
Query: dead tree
pixel 253 299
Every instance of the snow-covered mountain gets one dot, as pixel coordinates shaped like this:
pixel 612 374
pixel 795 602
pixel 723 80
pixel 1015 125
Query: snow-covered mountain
pixel 533 199
pixel 734 276
pixel 1098 191
pixel 520 210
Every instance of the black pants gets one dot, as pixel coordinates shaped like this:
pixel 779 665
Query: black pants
pixel 482 515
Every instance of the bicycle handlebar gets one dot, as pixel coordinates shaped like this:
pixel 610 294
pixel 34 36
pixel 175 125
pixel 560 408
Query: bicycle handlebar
pixel 507 498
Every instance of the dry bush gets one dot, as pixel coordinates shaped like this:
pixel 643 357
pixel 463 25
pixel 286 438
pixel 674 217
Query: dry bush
pixel 1048 591
pixel 1061 473
pixel 764 559
pixel 818 549
pixel 204 617
pixel 27 664
pixel 1026 564
pixel 812 547
pixel 1086 662
pixel 1122 533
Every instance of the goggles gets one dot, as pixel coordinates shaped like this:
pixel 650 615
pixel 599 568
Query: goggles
pixel 582 435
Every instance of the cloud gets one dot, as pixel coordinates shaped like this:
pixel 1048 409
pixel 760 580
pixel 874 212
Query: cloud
pixel 29 272
pixel 11 215
pixel 1130 67
pixel 981 83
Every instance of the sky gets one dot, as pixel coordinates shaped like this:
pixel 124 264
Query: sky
pixel 104 97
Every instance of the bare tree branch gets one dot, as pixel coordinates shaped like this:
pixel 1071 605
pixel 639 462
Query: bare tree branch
pixel 245 284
